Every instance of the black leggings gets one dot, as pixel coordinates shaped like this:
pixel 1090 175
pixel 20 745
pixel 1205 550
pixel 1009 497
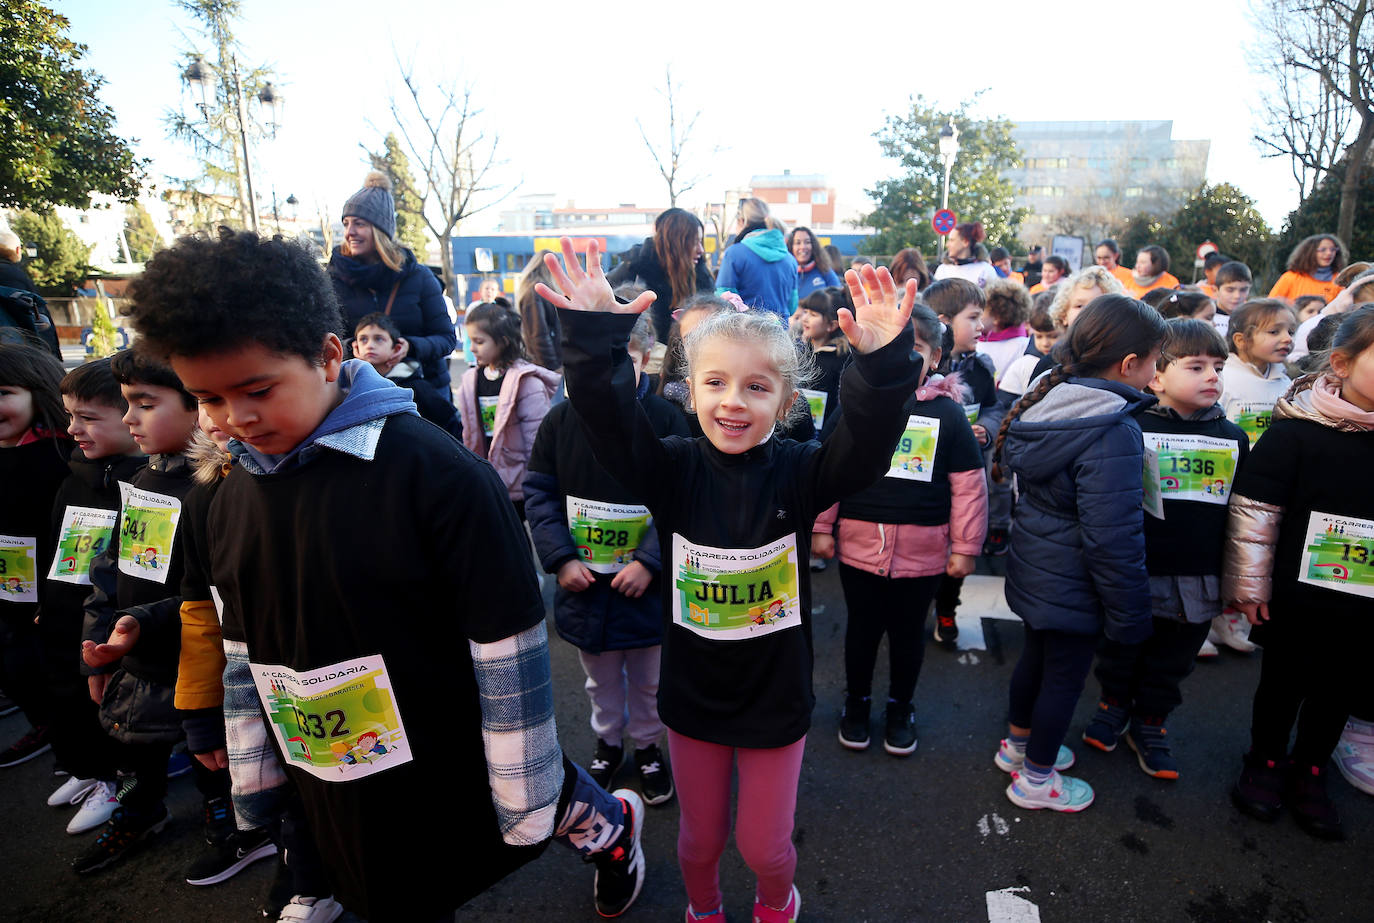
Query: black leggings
pixel 1045 687
pixel 882 605
pixel 1316 693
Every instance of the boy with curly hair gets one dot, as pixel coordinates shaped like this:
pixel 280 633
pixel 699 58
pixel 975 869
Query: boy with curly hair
pixel 342 617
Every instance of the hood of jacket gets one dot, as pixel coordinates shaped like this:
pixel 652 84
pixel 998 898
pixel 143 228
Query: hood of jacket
pixel 1201 416
pixel 1066 421
pixel 768 245
pixel 949 386
pixel 367 396
pixel 1317 399
pixel 209 462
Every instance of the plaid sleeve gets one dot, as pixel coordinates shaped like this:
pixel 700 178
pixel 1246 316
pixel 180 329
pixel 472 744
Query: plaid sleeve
pixel 524 761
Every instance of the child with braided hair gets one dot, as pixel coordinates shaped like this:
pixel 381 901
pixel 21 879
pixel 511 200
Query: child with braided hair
pixel 1076 569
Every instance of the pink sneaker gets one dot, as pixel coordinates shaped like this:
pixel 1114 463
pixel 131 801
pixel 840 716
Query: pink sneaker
pixel 1354 755
pixel 789 914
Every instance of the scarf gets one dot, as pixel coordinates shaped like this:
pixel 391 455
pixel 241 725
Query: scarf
pixel 1327 399
pixel 1146 281
pixel 1323 273
pixel 803 270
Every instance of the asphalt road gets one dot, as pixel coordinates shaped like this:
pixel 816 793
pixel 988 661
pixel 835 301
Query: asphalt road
pixel 928 838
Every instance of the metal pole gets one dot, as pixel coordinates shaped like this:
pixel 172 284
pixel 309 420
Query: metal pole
pixel 247 156
pixel 944 203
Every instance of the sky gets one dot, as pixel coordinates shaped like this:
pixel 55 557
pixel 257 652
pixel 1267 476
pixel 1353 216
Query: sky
pixel 800 86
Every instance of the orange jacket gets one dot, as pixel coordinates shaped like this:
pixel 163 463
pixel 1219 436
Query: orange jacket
pixel 1123 275
pixel 1167 280
pixel 1293 285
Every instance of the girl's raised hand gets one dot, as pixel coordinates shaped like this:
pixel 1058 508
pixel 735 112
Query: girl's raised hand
pixel 880 312
pixel 584 289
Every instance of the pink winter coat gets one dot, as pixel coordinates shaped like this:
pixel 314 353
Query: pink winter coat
pixel 904 550
pixel 524 400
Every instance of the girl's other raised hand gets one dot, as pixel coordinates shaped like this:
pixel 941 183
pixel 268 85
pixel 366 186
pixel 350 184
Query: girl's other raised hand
pixel 880 311
pixel 584 289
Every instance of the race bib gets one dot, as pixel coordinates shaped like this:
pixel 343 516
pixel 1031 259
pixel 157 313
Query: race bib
pixel 730 594
pixel 487 407
pixel 18 568
pixel 1194 467
pixel 606 534
pixel 1252 417
pixel 148 527
pixel 85 532
pixel 338 723
pixel 971 411
pixel 914 459
pixel 1152 500
pixel 816 401
pixel 1339 554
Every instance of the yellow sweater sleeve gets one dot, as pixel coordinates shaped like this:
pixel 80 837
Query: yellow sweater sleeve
pixel 200 674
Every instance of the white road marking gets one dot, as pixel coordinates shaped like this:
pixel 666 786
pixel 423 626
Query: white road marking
pixel 982 597
pixel 1006 906
pixel 989 823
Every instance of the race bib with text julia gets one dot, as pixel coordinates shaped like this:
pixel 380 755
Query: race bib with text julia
pixel 731 594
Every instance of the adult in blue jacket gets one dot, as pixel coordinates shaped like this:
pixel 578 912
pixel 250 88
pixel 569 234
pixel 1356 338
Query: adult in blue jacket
pixel 1077 564
pixel 814 272
pixel 371 272
pixel 758 267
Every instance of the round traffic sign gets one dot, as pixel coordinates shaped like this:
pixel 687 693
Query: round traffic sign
pixel 1206 248
pixel 944 221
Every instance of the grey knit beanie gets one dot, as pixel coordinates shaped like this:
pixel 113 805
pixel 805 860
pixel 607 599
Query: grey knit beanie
pixel 373 203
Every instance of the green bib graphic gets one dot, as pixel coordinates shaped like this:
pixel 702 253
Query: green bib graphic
pixel 85 533
pixel 337 723
pixel 816 400
pixel 1198 468
pixel 736 593
pixel 18 569
pixel 606 534
pixel 487 407
pixel 1253 418
pixel 147 529
pixel 1339 554
pixel 914 458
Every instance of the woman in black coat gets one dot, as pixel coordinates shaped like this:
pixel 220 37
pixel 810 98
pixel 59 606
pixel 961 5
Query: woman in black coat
pixel 371 272
pixel 671 264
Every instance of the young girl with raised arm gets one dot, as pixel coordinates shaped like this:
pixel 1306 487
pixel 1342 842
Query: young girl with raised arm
pixel 734 510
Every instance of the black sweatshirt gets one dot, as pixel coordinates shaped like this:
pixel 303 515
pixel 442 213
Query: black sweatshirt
pixel 1190 538
pixel 737 650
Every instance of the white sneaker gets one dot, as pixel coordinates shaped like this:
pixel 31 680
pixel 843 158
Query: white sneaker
pixel 96 809
pixel 1058 793
pixel 1234 631
pixel 301 909
pixel 73 791
pixel 1355 755
pixel 1208 649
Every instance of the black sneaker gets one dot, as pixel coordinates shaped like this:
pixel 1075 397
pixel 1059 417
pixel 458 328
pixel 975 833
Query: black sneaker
pixel 996 544
pixel 241 849
pixel 620 869
pixel 946 629
pixel 7 706
pixel 219 822
pixel 655 781
pixel 34 743
pixel 605 761
pixel 1259 790
pixel 854 722
pixel 122 834
pixel 1312 807
pixel 899 738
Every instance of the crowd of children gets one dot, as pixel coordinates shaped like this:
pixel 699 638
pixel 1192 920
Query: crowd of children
pixel 186 562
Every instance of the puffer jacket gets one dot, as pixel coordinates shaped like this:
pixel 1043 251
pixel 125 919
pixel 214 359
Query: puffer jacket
pixel 418 309
pixel 526 393
pixel 639 265
pixel 1077 561
pixel 1279 492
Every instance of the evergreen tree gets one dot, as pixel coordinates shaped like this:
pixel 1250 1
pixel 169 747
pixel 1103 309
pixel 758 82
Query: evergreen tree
pixel 977 189
pixel 62 260
pixel 410 220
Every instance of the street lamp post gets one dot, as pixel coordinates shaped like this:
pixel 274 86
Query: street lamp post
pixel 202 78
pixel 949 149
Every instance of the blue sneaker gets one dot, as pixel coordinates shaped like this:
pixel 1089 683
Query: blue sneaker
pixel 178 764
pixel 1105 730
pixel 1058 793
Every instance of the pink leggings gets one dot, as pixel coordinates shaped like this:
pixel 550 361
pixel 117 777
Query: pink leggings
pixel 767 809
